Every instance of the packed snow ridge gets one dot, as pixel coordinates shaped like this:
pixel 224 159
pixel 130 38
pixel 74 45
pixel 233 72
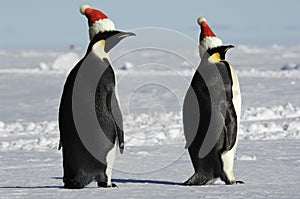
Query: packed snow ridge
pixel 259 123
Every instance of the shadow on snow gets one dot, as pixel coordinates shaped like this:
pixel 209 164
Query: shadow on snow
pixel 134 181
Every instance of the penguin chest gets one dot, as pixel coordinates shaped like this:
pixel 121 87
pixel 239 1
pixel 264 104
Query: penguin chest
pixel 236 94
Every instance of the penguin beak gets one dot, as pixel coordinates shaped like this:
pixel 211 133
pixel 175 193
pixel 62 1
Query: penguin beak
pixel 115 39
pixel 228 47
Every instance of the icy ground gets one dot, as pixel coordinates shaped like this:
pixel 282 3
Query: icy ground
pixel 155 161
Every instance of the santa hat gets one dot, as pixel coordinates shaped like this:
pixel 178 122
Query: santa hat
pixel 98 22
pixel 208 38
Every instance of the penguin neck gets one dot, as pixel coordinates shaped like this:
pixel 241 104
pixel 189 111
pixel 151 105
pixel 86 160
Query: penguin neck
pixel 211 59
pixel 98 50
pixel 215 58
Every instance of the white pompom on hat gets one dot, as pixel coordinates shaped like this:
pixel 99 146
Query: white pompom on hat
pixel 98 22
pixel 208 38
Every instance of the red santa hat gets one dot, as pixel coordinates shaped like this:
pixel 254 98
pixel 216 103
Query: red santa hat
pixel 98 22
pixel 208 38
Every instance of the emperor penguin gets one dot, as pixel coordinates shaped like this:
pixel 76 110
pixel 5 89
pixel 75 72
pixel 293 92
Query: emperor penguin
pixel 90 120
pixel 211 113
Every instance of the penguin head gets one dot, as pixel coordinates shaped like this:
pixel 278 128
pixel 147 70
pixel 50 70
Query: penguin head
pixel 207 39
pixel 109 38
pixel 217 54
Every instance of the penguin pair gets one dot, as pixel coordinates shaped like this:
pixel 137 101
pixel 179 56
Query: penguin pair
pixel 90 120
pixel 211 113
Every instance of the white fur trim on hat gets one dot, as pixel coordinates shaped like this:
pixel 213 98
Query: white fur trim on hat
pixel 83 8
pixel 101 25
pixel 209 42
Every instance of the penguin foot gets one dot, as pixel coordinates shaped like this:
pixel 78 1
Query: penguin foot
pixel 78 182
pixel 196 179
pixel 234 182
pixel 73 185
pixel 239 182
pixel 105 185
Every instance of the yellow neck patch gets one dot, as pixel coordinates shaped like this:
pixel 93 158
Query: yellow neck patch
pixel 98 49
pixel 100 44
pixel 216 57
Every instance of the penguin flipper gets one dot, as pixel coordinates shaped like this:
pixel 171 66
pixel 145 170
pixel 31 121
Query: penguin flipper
pixel 60 145
pixel 230 131
pixel 121 140
pixel 114 109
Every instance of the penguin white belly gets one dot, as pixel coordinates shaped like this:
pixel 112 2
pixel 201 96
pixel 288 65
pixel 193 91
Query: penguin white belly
pixel 228 156
pixel 98 49
pixel 110 159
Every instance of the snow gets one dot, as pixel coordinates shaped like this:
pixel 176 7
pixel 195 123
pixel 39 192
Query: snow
pixel 127 66
pixel 291 66
pixel 154 162
pixel 65 61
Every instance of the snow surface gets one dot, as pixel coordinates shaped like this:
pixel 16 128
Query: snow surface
pixel 151 96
